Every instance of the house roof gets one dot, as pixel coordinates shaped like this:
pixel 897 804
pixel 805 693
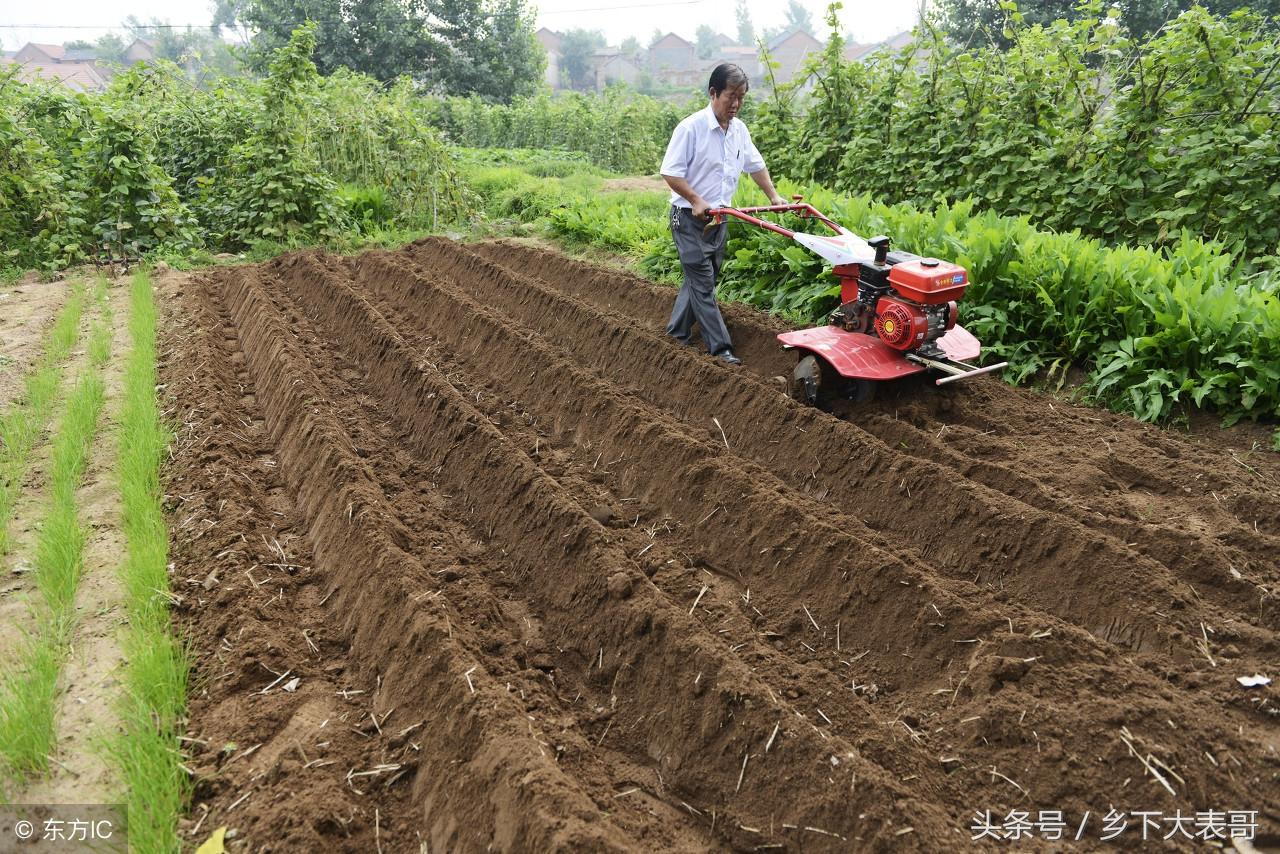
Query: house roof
pixel 671 40
pixel 892 43
pixel 53 51
pixel 80 76
pixel 550 38
pixel 617 59
pixel 854 51
pixel 601 58
pixel 901 40
pixel 83 55
pixel 146 44
pixel 797 35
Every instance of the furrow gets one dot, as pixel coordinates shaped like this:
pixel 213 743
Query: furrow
pixel 826 575
pixel 508 482
pixel 616 622
pixel 922 507
pixel 1185 483
pixel 791 550
pixel 507 640
pixel 1208 564
pixel 483 780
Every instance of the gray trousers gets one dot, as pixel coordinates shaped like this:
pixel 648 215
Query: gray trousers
pixel 701 256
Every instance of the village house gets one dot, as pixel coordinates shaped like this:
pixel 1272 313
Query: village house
pixel 671 54
pixel 672 62
pixel 78 70
pixel 614 66
pixel 550 41
pixel 790 50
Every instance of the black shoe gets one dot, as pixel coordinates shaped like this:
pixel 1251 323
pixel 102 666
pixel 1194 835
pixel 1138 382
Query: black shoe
pixel 728 358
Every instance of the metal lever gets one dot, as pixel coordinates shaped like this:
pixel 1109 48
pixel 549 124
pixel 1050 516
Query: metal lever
pixel 955 370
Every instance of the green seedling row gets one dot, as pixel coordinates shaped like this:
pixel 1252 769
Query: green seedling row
pixel 27 418
pixel 29 688
pixel 147 752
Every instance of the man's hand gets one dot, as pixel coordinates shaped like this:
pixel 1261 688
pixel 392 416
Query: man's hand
pixel 775 199
pixel 682 188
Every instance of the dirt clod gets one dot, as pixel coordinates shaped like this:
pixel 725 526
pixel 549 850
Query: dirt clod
pixel 620 585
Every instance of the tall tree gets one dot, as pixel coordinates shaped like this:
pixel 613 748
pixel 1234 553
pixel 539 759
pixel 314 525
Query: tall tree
pixel 798 17
pixel 705 42
pixel 980 22
pixel 746 30
pixel 483 47
pixel 495 53
pixel 110 47
pixel 630 48
pixel 576 47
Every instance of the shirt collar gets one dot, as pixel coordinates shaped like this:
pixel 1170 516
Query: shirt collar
pixel 713 122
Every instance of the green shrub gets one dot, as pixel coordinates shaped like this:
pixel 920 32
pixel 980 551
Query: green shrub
pixel 1075 126
pixel 617 130
pixel 155 167
pixel 368 207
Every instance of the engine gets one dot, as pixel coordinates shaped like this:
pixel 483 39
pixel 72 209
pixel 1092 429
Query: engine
pixel 907 301
pixel 906 325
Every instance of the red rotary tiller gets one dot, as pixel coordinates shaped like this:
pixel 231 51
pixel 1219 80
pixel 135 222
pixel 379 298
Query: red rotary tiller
pixel 897 313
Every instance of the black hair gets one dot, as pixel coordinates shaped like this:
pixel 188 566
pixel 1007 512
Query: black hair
pixel 726 76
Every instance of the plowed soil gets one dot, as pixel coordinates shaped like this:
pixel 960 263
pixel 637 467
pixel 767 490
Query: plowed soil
pixel 548 581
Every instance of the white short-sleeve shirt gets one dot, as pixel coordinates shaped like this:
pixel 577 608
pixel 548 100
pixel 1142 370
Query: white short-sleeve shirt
pixel 709 157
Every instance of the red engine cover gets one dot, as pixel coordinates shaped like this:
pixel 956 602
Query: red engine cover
pixel 928 280
pixel 901 325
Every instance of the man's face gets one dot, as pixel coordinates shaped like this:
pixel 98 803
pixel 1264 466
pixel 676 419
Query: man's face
pixel 728 101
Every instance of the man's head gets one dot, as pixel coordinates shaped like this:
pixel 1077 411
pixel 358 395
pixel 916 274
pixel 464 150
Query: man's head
pixel 727 87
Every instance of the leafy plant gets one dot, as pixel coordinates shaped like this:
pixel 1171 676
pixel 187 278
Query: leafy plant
pixel 156 167
pixel 147 750
pixel 618 130
pixel 1075 125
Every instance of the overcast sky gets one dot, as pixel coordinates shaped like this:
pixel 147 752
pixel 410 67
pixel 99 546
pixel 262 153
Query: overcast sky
pixel 58 21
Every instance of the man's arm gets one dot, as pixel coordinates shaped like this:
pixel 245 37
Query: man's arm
pixel 681 186
pixel 761 177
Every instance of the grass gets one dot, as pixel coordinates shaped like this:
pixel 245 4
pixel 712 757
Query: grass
pixel 29 689
pixel 147 750
pixel 24 423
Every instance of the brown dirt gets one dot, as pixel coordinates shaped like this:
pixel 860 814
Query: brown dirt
pixel 17 575
pixel 634 183
pixel 27 309
pixel 477 486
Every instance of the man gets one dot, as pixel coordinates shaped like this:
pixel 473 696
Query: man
pixel 707 153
